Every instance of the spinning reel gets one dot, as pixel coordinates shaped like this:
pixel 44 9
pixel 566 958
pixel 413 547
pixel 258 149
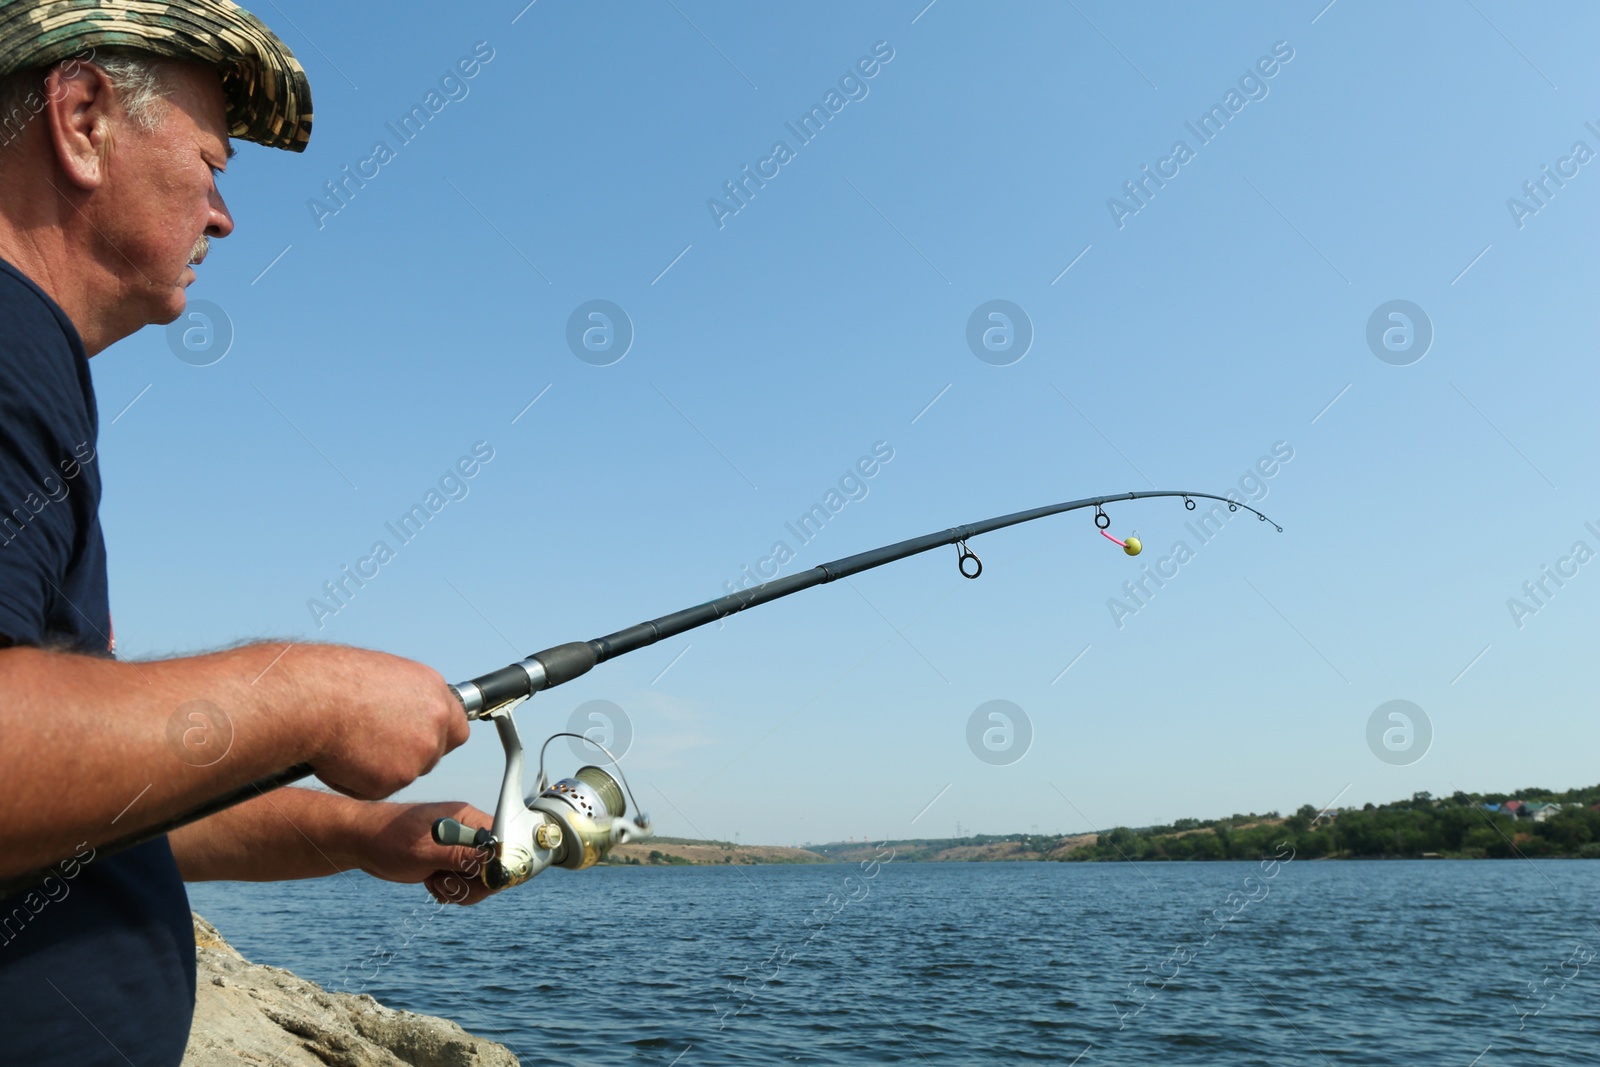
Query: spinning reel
pixel 574 823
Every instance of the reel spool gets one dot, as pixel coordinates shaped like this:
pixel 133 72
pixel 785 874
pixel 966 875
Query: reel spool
pixel 582 810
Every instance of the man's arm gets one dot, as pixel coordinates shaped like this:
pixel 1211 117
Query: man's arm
pixel 92 750
pixel 302 833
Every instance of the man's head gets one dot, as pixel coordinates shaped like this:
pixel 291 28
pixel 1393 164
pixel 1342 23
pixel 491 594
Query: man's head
pixel 127 149
pixel 109 149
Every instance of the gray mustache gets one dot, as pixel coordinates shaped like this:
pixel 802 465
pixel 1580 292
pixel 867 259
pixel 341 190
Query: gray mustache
pixel 201 247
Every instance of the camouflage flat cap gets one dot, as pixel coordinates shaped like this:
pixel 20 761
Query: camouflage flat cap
pixel 269 97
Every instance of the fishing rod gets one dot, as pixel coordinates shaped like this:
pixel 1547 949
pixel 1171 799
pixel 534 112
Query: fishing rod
pixel 575 822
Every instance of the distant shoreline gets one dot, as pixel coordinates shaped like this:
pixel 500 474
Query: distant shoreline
pixel 1531 824
pixel 737 861
pixel 752 856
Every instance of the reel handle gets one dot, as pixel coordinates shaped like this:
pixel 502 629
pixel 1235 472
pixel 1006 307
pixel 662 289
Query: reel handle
pixel 451 832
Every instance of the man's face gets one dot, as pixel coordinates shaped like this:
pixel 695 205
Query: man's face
pixel 160 197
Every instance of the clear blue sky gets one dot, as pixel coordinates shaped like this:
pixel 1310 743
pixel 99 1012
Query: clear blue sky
pixel 373 347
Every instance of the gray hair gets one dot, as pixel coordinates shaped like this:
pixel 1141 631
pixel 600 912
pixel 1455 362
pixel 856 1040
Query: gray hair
pixel 141 83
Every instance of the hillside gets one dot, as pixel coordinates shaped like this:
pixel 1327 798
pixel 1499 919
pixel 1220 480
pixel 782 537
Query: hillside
pixel 682 851
pixel 1462 826
pixel 980 848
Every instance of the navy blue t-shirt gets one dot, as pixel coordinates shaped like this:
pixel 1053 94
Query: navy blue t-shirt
pixel 97 963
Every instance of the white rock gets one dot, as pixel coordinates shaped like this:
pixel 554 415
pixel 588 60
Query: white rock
pixel 247 1013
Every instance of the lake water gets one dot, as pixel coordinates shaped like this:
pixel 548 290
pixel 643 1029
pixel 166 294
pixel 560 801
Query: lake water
pixel 1423 962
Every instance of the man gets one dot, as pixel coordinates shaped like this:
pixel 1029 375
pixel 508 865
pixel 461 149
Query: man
pixel 114 123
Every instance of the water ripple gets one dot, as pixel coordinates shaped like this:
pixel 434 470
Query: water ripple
pixel 1339 963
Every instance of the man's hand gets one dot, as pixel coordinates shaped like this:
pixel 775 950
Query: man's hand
pixel 399 847
pixel 96 749
pixel 305 833
pixel 386 721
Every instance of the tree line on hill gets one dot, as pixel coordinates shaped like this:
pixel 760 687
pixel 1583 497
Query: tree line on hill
pixel 1457 826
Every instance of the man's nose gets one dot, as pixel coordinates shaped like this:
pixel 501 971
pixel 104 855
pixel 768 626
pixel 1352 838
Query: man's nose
pixel 220 222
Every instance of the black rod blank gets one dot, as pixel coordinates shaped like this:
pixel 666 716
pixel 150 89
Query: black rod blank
pixel 562 663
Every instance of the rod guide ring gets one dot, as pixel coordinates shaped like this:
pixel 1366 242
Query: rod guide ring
pixel 963 553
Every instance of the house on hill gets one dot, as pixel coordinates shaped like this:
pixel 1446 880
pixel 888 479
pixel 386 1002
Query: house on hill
pixel 1513 808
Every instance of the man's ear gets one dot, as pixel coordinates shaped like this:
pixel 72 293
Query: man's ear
pixel 80 105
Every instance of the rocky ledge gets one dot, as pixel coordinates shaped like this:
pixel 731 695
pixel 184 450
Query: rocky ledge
pixel 247 1013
